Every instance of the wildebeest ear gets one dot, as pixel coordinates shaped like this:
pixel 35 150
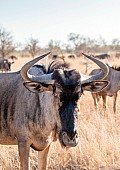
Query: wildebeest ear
pixel 58 88
pixel 37 87
pixel 95 86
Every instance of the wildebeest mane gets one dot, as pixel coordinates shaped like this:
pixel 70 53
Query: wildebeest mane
pixel 116 68
pixel 52 66
pixel 57 65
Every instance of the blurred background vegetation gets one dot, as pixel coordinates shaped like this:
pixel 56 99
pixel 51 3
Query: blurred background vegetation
pixel 76 44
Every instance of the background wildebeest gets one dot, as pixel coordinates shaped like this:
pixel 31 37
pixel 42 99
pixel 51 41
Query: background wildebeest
pixel 71 56
pixel 111 90
pixel 12 57
pixel 38 105
pixel 5 65
pixel 102 56
pixel 55 56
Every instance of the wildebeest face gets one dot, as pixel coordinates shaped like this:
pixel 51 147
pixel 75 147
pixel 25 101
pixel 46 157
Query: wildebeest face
pixel 68 87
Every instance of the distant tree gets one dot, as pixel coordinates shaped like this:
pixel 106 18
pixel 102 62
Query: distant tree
pixel 79 42
pixel 86 44
pixel 75 39
pixel 115 45
pixel 32 47
pixel 6 43
pixel 68 48
pixel 55 47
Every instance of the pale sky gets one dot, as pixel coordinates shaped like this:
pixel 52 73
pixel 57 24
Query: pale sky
pixel 55 19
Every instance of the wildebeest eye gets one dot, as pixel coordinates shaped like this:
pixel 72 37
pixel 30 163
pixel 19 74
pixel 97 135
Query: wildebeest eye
pixel 58 88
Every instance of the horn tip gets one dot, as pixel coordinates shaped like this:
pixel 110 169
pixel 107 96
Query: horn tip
pixel 83 54
pixel 49 52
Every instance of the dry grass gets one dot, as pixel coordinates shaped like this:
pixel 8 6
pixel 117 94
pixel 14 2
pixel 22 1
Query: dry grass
pixel 99 137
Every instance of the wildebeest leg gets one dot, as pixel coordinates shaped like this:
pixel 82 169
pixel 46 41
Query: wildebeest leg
pixel 96 99
pixel 42 159
pixel 104 103
pixel 114 102
pixel 24 148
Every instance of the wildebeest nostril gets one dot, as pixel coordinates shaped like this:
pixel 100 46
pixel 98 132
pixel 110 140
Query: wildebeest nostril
pixel 75 134
pixel 72 136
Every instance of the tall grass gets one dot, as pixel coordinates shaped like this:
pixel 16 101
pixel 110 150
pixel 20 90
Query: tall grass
pixel 99 139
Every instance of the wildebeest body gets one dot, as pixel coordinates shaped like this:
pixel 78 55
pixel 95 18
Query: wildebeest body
pixel 22 111
pixel 111 90
pixel 102 56
pixel 37 107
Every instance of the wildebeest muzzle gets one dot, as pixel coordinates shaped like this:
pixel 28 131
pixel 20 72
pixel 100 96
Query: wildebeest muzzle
pixel 69 121
pixel 69 140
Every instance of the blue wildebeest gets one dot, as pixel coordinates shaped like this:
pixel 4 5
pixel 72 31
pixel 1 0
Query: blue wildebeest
pixel 72 56
pixel 102 56
pixel 111 90
pixel 5 65
pixel 39 105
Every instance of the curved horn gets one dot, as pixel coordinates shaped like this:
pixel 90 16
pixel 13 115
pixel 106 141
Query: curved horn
pixel 99 76
pixel 41 78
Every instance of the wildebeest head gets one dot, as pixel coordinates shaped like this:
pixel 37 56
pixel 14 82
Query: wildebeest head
pixel 67 86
